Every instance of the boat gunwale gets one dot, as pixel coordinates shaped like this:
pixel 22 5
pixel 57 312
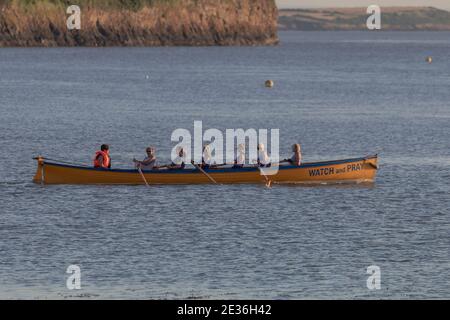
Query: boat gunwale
pixel 214 170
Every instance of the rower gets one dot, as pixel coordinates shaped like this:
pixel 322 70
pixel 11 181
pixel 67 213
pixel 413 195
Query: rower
pixel 263 157
pixel 149 162
pixel 296 158
pixel 102 158
pixel 179 161
pixel 240 159
pixel 206 159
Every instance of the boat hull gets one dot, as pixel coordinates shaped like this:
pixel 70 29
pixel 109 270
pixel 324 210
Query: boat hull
pixel 338 171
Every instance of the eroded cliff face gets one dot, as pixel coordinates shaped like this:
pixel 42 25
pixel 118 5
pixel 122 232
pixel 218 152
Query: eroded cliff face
pixel 182 22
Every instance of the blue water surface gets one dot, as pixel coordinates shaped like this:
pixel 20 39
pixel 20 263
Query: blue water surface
pixel 340 94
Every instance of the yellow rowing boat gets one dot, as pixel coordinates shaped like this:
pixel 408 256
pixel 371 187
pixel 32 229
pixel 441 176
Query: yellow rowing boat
pixel 337 171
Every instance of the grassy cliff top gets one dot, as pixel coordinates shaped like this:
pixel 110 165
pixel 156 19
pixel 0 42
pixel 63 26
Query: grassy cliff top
pixel 103 4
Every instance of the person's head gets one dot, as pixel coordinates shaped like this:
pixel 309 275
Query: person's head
pixel 150 151
pixel 180 151
pixel 206 149
pixel 296 148
pixel 261 147
pixel 104 148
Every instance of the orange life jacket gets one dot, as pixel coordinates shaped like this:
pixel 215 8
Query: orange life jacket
pixel 106 160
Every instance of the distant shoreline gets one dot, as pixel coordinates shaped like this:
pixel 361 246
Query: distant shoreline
pixel 353 19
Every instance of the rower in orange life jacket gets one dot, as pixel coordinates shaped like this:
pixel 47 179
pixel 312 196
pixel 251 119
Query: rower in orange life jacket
pixel 102 159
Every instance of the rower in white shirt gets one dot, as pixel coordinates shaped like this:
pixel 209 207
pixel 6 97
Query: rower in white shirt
pixel 263 157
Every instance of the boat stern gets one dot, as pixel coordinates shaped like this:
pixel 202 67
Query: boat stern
pixel 39 175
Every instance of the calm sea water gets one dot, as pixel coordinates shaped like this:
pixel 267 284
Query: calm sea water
pixel 341 94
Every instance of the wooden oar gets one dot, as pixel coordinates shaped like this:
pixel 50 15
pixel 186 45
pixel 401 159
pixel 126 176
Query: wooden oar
pixel 268 181
pixel 204 172
pixel 143 177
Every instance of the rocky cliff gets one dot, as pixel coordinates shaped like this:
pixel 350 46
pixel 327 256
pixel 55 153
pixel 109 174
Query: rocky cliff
pixel 139 23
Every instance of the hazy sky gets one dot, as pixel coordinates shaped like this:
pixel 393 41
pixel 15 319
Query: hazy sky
pixel 445 4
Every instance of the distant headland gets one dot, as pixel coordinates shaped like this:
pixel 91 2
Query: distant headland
pixel 393 18
pixel 27 23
